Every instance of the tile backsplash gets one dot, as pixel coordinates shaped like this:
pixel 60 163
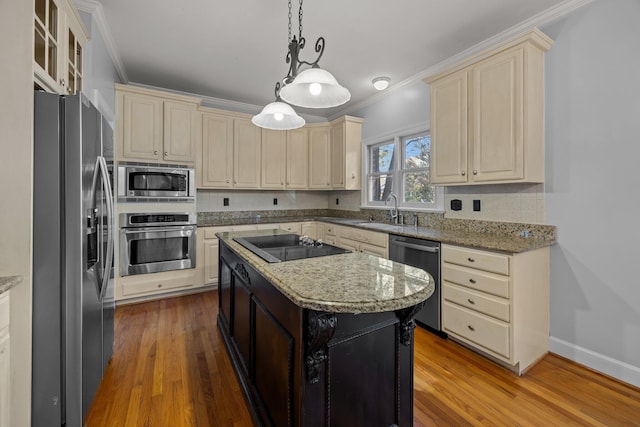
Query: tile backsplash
pixel 498 202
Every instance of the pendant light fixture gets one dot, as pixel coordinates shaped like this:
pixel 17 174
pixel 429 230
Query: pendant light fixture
pixel 278 115
pixel 309 88
pixel 313 87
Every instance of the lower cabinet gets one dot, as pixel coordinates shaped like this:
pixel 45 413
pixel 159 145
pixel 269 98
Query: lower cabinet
pixel 497 303
pixel 357 240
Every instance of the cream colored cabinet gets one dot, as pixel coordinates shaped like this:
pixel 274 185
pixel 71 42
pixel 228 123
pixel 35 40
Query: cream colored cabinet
pixel 246 154
pixel 157 126
pixel 59 39
pixel 209 246
pixel 274 158
pixel 297 168
pixel 5 369
pixel 487 116
pixel 346 152
pixel 214 167
pixel 365 241
pixel 497 303
pixel 291 227
pixel 319 157
pixel 310 229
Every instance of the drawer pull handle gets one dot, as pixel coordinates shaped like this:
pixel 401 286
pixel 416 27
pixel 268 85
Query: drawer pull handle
pixel 160 285
pixel 472 281
pixel 471 259
pixel 472 302
pixel 471 328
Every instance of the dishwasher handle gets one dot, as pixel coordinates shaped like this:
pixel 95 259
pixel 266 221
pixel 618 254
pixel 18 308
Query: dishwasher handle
pixel 422 248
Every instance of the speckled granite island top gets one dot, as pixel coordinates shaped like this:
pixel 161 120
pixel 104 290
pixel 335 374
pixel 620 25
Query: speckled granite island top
pixel 346 283
pixel 8 282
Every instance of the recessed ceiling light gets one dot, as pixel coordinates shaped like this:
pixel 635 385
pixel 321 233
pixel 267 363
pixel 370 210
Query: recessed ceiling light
pixel 381 83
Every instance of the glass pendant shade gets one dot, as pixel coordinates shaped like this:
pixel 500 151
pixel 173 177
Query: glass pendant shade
pixel 315 88
pixel 278 116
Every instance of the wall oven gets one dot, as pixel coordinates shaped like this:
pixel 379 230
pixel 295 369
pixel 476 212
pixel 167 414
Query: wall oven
pixel 137 182
pixel 154 242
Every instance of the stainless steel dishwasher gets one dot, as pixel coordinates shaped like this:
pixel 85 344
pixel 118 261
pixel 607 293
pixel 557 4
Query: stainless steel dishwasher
pixel 424 254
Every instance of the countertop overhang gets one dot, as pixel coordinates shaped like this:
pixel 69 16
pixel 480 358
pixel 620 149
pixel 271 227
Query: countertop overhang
pixel 346 283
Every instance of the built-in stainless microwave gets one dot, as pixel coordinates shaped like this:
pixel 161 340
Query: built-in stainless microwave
pixel 136 182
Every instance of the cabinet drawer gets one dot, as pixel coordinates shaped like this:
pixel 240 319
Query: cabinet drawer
pixel 154 286
pixel 291 227
pixel 485 304
pixel 4 310
pixel 330 230
pixel 484 331
pixel 482 260
pixel 475 279
pixel 369 237
pixel 374 250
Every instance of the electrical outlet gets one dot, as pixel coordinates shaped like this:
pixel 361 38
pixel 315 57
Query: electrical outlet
pixel 225 201
pixel 275 201
pixel 337 201
pixel 476 205
pixel 456 205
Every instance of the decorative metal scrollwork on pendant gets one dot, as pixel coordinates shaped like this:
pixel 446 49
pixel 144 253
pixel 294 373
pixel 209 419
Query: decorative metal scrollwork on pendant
pixel 320 329
pixel 407 322
pixel 242 271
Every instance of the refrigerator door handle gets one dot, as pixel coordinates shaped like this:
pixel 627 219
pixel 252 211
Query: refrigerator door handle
pixel 101 169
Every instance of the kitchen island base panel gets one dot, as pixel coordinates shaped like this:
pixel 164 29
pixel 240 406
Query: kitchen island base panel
pixel 310 368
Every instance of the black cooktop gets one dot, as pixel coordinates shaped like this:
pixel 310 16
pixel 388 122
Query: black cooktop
pixel 287 247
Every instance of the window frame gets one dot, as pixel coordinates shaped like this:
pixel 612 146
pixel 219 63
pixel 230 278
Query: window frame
pixel 398 172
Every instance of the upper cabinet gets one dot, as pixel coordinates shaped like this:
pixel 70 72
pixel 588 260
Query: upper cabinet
pixel 229 152
pixel 235 153
pixel 487 116
pixel 285 159
pixel 346 153
pixel 156 126
pixel 59 39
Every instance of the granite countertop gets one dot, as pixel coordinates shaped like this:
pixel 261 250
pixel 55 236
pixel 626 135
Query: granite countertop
pixel 8 282
pixel 488 241
pixel 350 283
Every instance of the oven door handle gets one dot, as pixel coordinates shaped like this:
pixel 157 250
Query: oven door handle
pixel 421 248
pixel 182 229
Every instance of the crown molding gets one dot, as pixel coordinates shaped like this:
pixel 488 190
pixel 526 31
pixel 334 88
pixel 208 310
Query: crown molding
pixel 543 18
pixel 95 9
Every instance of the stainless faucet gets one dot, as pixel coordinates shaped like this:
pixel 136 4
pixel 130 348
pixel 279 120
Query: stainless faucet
pixel 395 215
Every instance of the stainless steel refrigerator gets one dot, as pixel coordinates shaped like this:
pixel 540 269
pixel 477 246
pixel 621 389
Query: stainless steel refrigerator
pixel 72 257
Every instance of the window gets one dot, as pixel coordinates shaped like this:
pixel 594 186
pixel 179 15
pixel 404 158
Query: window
pixel 401 166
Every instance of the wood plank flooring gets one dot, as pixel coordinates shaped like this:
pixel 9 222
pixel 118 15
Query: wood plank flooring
pixel 170 368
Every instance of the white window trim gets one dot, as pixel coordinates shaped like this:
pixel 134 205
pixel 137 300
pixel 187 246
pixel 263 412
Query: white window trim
pixel 396 138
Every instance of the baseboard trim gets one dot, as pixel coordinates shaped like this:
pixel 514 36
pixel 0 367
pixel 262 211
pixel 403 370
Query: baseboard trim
pixel 614 368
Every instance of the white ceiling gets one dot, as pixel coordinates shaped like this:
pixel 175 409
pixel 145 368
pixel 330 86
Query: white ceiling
pixel 235 49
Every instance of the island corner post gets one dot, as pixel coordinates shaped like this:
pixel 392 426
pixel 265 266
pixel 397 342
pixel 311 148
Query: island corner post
pixel 306 367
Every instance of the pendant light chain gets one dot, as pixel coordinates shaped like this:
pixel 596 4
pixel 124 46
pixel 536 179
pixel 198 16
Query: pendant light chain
pixel 300 21
pixel 289 40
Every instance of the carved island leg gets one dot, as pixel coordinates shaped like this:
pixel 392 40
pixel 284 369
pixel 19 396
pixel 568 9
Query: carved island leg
pixel 407 322
pixel 320 329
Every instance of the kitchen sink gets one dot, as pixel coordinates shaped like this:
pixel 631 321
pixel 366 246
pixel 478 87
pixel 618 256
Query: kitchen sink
pixel 286 247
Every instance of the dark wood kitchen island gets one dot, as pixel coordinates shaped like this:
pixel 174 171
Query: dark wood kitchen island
pixel 321 341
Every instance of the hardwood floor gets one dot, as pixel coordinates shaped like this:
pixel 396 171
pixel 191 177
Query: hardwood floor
pixel 170 368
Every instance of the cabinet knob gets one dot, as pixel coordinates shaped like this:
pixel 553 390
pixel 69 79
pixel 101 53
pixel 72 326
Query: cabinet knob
pixel 471 259
pixel 353 176
pixel 472 280
pixel 475 172
pixel 463 173
pixel 472 302
pixel 471 328
pixel 62 82
pixel 166 153
pixel 159 285
pixel 227 181
pixel 155 152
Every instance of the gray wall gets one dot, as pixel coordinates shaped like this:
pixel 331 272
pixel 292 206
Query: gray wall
pixel 592 183
pixel 99 72
pixel 592 150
